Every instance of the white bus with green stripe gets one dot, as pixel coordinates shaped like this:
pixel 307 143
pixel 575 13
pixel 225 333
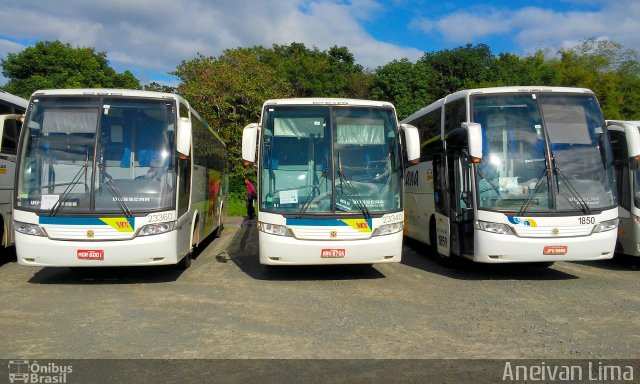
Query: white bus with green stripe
pixel 330 180
pixel 110 177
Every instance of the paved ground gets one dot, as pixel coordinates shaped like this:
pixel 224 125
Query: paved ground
pixel 228 306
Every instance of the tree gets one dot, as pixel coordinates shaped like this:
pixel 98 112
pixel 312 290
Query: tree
pixel 459 68
pixel 157 87
pixel 607 68
pixel 408 86
pixel 52 64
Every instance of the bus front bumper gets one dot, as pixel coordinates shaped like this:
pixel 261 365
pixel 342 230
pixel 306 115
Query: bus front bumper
pixel 146 250
pixel 495 248
pixel 282 250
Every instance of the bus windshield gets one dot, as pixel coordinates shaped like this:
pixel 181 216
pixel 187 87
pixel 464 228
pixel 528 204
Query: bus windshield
pixel 330 160
pixel 88 154
pixel 543 152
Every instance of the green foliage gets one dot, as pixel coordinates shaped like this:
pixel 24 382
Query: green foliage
pixel 52 64
pixel 229 90
pixel 408 85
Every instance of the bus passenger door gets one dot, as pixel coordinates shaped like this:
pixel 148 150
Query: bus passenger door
pixel 442 203
pixel 462 206
pixel 627 240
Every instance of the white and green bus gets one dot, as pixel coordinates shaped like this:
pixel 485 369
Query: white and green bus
pixel 330 180
pixel 513 174
pixel 113 177
pixel 11 107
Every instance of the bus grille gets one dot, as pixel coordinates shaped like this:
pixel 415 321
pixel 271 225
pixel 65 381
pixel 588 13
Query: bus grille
pixel 552 232
pixel 325 233
pixel 73 232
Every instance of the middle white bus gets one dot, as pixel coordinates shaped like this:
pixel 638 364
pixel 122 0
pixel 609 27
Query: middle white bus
pixel 330 180
pixel 513 174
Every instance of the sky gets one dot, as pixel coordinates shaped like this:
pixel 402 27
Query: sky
pixel 152 37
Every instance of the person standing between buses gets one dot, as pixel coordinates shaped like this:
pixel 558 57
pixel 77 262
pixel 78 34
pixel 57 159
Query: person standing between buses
pixel 251 195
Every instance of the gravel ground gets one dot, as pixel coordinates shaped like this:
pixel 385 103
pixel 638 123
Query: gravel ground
pixel 228 306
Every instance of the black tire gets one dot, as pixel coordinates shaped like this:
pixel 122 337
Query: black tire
pixel 543 264
pixel 185 263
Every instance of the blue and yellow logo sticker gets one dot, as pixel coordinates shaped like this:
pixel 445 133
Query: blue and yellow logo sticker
pixel 360 225
pixel 525 222
pixel 121 224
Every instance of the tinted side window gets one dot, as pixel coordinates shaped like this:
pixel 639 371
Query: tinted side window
pixel 455 113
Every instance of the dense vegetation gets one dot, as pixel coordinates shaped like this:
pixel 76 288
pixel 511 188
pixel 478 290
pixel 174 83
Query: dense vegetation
pixel 228 90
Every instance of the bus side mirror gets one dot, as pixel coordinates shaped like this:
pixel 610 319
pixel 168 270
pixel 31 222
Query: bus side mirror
pixel 411 142
pixel 474 137
pixel 5 118
pixel 249 142
pixel 183 140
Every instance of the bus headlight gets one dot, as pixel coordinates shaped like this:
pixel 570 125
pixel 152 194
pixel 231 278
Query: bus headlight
pixel 607 225
pixel 388 229
pixel 156 229
pixel 274 229
pixel 28 229
pixel 498 228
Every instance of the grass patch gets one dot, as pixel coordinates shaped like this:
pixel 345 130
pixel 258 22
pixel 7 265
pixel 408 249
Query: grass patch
pixel 236 205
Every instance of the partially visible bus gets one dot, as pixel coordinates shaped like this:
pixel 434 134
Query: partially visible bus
pixel 330 180
pixel 10 125
pixel 513 174
pixel 114 177
pixel 625 141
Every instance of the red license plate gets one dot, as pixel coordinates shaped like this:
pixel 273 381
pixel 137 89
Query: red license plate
pixel 555 250
pixel 333 253
pixel 90 254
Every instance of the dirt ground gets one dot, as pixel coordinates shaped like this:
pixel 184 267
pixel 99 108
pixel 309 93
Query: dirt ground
pixel 228 306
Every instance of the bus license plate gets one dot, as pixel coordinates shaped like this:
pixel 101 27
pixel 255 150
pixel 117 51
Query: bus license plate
pixel 333 253
pixel 555 250
pixel 90 254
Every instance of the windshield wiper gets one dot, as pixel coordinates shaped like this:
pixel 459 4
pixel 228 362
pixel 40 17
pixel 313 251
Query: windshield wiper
pixel 351 190
pixel 526 205
pixel 118 196
pixel 307 202
pixel 579 199
pixel 63 197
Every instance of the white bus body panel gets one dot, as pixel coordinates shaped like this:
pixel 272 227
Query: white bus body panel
pixel 533 234
pixel 365 249
pixel 418 201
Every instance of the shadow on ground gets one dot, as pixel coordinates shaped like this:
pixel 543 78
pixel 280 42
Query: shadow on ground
pixel 618 263
pixel 419 255
pixel 243 251
pixel 8 255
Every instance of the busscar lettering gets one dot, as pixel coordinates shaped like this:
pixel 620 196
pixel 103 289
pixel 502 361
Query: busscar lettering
pixel 133 199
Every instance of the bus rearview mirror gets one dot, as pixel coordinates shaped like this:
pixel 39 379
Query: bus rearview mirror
pixel 249 142
pixel 474 135
pixel 412 142
pixel 183 140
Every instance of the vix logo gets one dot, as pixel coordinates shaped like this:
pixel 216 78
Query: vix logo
pixel 525 222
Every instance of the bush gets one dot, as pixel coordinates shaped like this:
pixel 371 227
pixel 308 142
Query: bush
pixel 236 204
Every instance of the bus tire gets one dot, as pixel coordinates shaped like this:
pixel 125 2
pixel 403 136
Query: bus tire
pixel 543 264
pixel 185 262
